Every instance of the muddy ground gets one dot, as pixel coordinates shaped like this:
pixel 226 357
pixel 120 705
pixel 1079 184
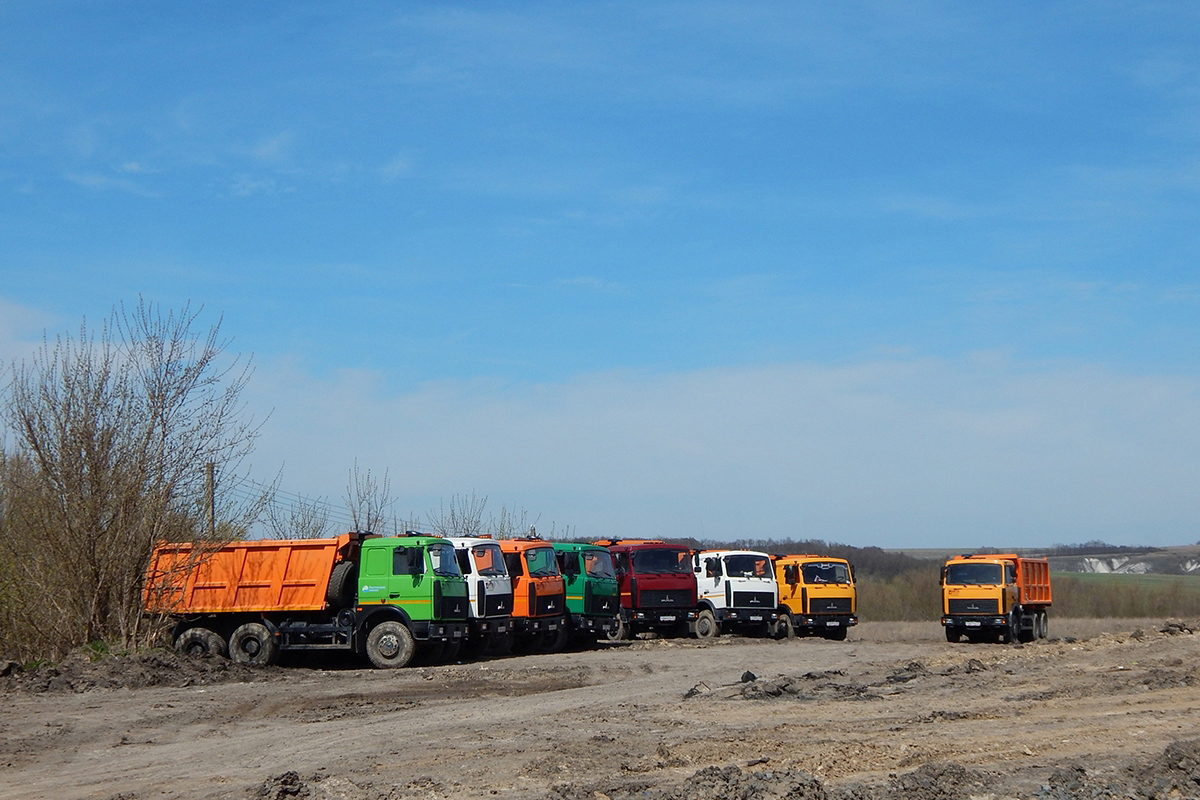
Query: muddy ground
pixel 878 716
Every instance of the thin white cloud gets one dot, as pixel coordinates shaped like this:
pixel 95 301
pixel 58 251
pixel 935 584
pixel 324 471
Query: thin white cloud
pixel 95 180
pixel 913 452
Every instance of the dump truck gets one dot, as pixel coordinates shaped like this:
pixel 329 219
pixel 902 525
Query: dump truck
pixel 735 591
pixel 592 593
pixel 489 593
pixel 816 596
pixel 539 602
pixel 658 587
pixel 995 598
pixel 388 598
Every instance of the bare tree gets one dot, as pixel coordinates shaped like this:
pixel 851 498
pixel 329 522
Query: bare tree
pixel 462 517
pixel 112 429
pixel 370 501
pixel 303 519
pixel 510 523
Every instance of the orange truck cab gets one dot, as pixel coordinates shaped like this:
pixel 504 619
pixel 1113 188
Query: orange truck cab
pixel 816 596
pixel 539 593
pixel 996 598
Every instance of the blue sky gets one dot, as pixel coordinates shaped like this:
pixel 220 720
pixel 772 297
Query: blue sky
pixel 917 274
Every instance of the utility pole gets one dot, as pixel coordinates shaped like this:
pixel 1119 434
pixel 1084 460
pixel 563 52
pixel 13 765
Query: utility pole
pixel 210 494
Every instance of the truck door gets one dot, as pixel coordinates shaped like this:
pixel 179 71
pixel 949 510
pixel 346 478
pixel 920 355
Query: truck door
pixel 392 574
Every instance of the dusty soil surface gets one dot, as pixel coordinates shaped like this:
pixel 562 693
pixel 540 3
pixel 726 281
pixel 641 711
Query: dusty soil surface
pixel 1116 715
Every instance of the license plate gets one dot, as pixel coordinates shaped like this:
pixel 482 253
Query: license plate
pixel 670 618
pixel 756 619
pixel 972 624
pixel 833 624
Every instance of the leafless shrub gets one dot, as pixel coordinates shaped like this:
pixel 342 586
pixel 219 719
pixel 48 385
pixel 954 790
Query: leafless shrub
pixel 111 433
pixel 304 518
pixel 370 501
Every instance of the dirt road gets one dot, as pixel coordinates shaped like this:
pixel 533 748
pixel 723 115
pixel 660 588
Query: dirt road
pixel 881 715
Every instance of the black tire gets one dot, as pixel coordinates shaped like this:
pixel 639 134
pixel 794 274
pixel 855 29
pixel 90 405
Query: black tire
pixel 707 626
pixel 837 634
pixel 1026 636
pixel 557 641
pixel 620 632
pixel 201 642
pixel 429 653
pixel 952 635
pixel 1043 625
pixel 390 645
pixel 340 593
pixel 253 644
pixel 501 644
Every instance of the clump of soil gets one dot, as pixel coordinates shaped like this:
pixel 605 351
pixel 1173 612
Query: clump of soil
pixel 82 673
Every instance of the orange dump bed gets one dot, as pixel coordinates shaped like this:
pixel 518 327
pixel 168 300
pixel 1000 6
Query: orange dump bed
pixel 1033 580
pixel 263 575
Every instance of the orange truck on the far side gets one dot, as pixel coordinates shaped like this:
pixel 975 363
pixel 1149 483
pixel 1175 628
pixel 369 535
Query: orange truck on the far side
pixel 995 598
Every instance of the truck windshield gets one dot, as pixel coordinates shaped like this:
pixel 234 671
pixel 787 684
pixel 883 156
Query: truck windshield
pixel 975 574
pixel 598 564
pixel 746 566
pixel 826 573
pixel 488 559
pixel 441 556
pixel 541 562
pixel 661 559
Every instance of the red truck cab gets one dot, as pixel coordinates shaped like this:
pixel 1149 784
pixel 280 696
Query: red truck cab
pixel 657 586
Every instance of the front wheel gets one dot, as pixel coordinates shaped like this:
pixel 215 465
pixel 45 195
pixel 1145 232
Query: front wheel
pixel 707 626
pixel 253 644
pixel 837 634
pixel 557 641
pixel 619 632
pixel 390 645
pixel 952 635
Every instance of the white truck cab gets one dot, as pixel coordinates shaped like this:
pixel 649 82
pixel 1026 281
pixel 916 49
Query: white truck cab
pixel 489 591
pixel 735 591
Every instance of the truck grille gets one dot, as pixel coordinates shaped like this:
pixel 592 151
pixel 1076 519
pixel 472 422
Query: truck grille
pixel 977 606
pixel 547 605
pixel 601 604
pixel 763 601
pixel 497 605
pixel 449 606
pixel 829 605
pixel 664 598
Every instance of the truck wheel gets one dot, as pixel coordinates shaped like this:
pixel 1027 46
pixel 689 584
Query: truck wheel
pixel 1043 623
pixel 557 641
pixel 707 626
pixel 501 644
pixel 837 634
pixel 340 591
pixel 952 635
pixel 200 642
pixel 390 645
pixel 619 632
pixel 253 644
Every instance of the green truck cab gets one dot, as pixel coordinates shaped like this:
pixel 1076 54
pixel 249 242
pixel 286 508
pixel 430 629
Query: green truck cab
pixel 593 598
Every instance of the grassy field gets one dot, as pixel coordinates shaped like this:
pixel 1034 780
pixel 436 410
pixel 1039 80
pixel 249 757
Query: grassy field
pixel 915 595
pixel 1060 627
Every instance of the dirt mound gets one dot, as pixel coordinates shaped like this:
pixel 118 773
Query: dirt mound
pixel 81 673
pixel 710 783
